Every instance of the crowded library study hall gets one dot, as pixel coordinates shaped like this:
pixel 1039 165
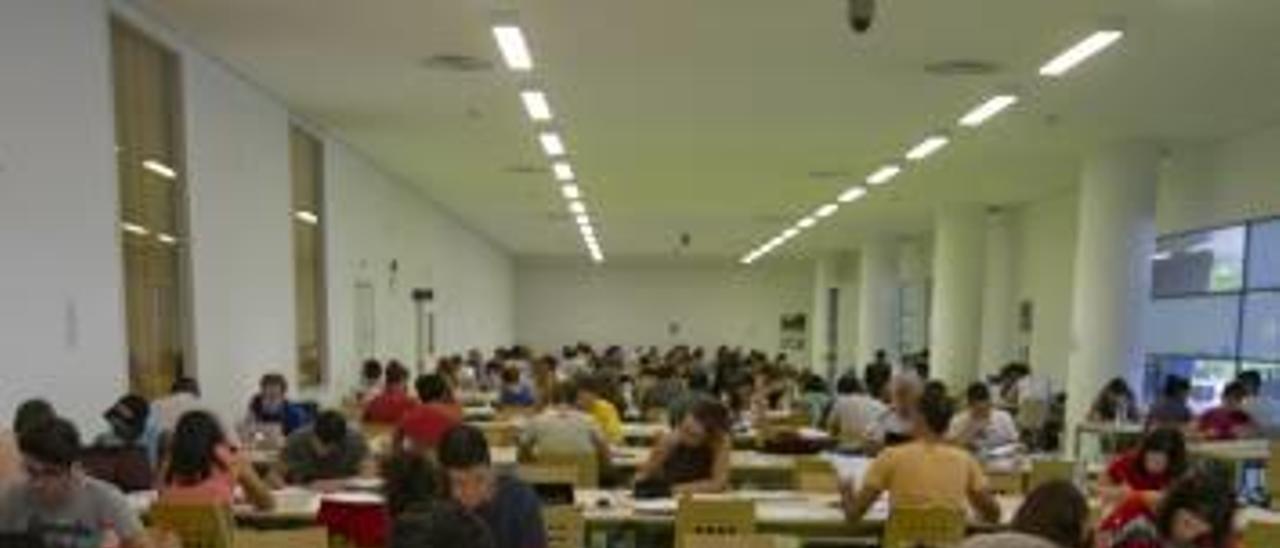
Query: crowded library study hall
pixel 639 274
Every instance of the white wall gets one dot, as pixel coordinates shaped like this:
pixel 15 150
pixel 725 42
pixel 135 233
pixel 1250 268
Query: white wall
pixel 60 272
pixel 62 321
pixel 633 304
pixel 1045 242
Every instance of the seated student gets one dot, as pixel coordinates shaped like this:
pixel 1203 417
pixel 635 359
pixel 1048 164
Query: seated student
pixel 1261 407
pixel 271 407
pixel 815 398
pixel 1160 458
pixel 544 380
pixel 1115 403
pixel 897 423
pixel 390 405
pixel 853 412
pixel 666 390
pixel 514 392
pixel 878 374
pixel 426 423
pixel 121 456
pixel 127 420
pixel 695 457
pixel 58 505
pixel 507 505
pixel 590 400
pixel 324 450
pixel 202 467
pixel 370 382
pixel 1054 515
pixel 1171 409
pixel 981 427
pixel 563 430
pixel 1228 421
pixel 926 471
pixel 1197 511
pixel 29 414
pixel 699 388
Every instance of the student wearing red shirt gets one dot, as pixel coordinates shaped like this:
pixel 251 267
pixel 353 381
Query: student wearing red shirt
pixel 389 406
pixel 426 423
pixel 1197 511
pixel 1228 421
pixel 1159 459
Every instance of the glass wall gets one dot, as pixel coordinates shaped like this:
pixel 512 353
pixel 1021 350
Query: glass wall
pixel 152 208
pixel 307 171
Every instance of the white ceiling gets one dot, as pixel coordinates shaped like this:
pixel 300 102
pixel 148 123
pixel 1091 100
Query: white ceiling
pixel 708 116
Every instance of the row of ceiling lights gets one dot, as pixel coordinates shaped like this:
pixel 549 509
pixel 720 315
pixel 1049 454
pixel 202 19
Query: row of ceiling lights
pixel 516 54
pixel 1056 67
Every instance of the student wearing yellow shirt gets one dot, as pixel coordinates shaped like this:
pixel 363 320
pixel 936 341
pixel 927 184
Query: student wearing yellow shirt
pixel 604 413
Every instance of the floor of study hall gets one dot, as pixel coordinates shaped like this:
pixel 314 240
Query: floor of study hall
pixel 639 274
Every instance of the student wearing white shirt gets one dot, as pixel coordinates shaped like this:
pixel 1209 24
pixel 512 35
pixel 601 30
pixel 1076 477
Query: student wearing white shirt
pixel 854 411
pixel 1262 409
pixel 981 427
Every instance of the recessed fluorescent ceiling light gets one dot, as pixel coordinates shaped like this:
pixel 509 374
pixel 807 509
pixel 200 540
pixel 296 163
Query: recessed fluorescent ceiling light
pixel 577 207
pixel 588 231
pixel 571 192
pixel 155 166
pixel 827 210
pixel 852 194
pixel 1078 53
pixel 926 147
pixel 986 110
pixel 135 229
pixel 551 143
pixel 535 103
pixel 582 219
pixel 882 175
pixel 806 222
pixel 514 49
pixel 563 171
pixel 166 239
pixel 306 217
pixel 790 233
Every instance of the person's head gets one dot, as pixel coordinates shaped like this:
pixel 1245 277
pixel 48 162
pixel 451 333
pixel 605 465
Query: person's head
pixel 272 389
pixel 546 365
pixel 371 372
pixel 1118 390
pixel 50 453
pixel 510 376
pixel 32 413
pixel 1055 511
pixel 396 375
pixel 1163 452
pixel 934 415
pixel 433 388
pixel 1197 509
pixel 814 384
pixel 464 455
pixel 331 431
pixel 978 397
pixel 409 479
pixel 128 417
pixel 193 448
pixel 699 381
pixel 849 384
pixel 881 355
pixel 1234 394
pixel 185 385
pixel 1251 380
pixel 707 422
pixel 905 390
pixel 1176 387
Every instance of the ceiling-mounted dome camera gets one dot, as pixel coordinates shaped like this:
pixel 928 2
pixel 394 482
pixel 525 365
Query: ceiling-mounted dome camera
pixel 862 13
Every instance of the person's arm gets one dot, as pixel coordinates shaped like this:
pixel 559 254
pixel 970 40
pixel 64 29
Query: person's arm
pixel 979 494
pixel 125 523
pixel 856 504
pixel 255 488
pixel 719 480
pixel 962 430
pixel 657 457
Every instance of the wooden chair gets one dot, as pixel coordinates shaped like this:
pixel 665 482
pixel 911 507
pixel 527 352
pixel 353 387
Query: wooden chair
pixel 932 527
pixel 815 475
pixel 1006 482
pixel 195 525
pixel 1262 534
pixel 295 538
pixel 717 518
pixel 548 473
pixel 566 528
pixel 586 466
pixel 1044 471
pixel 500 433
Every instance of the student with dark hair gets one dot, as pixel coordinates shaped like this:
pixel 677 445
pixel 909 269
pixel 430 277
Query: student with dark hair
pixel 1054 515
pixel 1171 409
pixel 426 423
pixel 981 426
pixel 926 471
pixel 202 467
pixel 390 405
pixel 370 382
pixel 853 412
pixel 1228 421
pixel 512 391
pixel 327 449
pixel 1115 402
pixel 1159 459
pixel 695 457
pixel 127 422
pixel 1261 407
pixel 591 392
pixel 1197 511
pixel 878 373
pixel 509 507
pixel 271 406
pixel 56 504
pixel 29 414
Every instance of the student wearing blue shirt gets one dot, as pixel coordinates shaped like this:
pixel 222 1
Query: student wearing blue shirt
pixel 271 406
pixel 507 505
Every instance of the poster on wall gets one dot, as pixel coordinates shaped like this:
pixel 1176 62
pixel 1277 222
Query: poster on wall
pixel 795 333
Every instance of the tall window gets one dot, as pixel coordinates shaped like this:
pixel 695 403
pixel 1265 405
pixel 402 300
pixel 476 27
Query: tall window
pixel 152 208
pixel 307 161
pixel 1215 308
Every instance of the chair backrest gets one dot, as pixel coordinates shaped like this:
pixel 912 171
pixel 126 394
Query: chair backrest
pixel 1262 534
pixel 585 465
pixel 1006 482
pixel 566 528
pixel 933 527
pixel 1044 471
pixel 546 473
pixel 196 525
pixel 1273 474
pixel 713 518
pixel 815 475
pixel 500 434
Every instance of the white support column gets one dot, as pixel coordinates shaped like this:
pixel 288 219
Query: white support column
pixel 998 309
pixel 956 324
pixel 877 300
pixel 826 275
pixel 1112 271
